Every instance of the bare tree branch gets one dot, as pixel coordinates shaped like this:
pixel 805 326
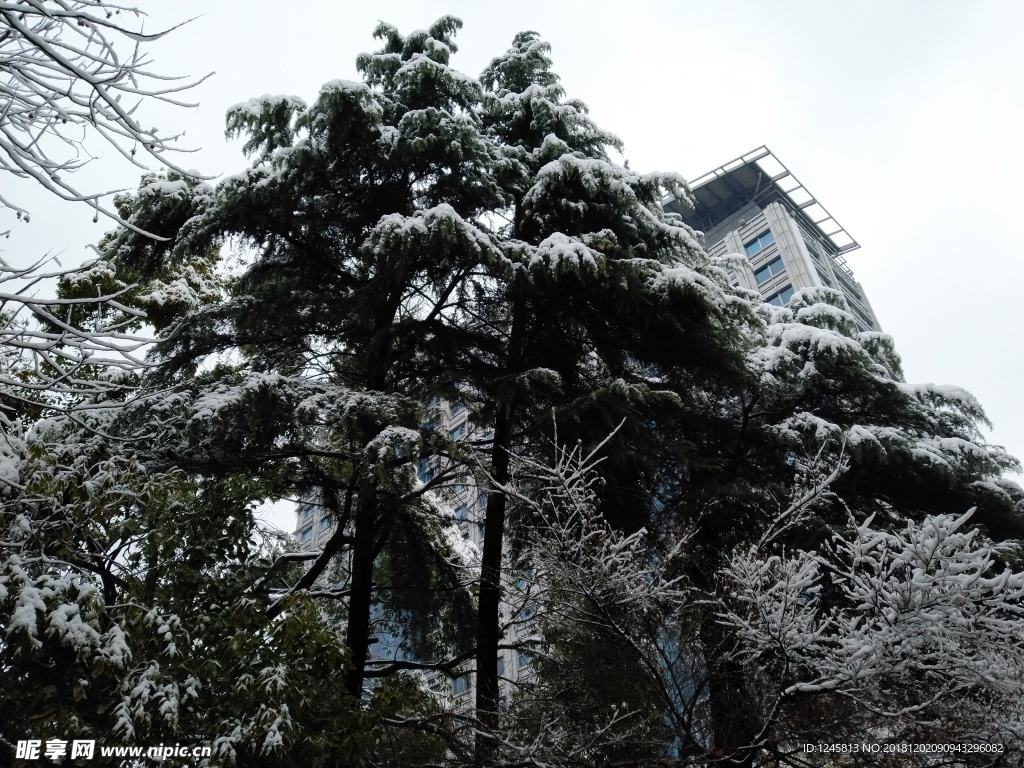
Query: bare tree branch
pixel 69 70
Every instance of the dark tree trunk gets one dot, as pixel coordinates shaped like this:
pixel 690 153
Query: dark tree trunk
pixel 489 604
pixel 357 638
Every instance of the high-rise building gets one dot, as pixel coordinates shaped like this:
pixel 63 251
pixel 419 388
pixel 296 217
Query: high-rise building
pixel 755 206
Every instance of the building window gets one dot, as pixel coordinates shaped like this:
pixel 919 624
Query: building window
pixel 456 408
pixel 458 433
pixel 461 684
pixel 781 298
pixel 461 513
pixel 759 243
pixel 769 270
pixel 325 523
pixel 524 659
pixel 307 512
pixel 306 535
pixel 501 666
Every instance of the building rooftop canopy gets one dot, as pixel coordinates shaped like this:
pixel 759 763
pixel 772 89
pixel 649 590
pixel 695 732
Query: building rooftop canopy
pixel 759 176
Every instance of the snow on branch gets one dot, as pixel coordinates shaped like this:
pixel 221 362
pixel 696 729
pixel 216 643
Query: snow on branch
pixel 578 556
pixel 902 623
pixel 71 70
pixel 583 577
pixel 55 350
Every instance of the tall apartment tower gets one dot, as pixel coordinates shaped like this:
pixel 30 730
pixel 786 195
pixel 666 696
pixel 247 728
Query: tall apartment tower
pixel 755 206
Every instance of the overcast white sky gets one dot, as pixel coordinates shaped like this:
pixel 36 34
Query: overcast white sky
pixel 903 119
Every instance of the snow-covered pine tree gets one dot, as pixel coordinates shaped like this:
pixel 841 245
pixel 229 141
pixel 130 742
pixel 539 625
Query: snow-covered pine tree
pixel 411 237
pixel 821 393
pixel 603 292
pixel 363 218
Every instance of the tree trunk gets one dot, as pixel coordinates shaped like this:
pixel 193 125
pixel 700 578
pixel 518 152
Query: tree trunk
pixel 488 637
pixel 357 638
pixel 489 606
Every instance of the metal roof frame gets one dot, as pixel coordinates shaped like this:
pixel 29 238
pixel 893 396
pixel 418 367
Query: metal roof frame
pixel 789 186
